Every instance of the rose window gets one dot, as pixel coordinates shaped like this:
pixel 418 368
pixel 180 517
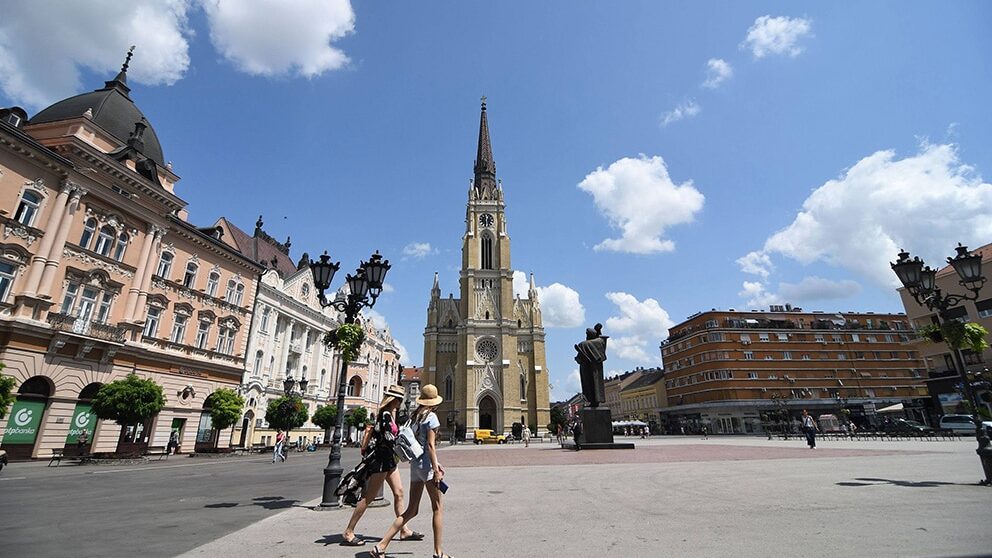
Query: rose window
pixel 487 349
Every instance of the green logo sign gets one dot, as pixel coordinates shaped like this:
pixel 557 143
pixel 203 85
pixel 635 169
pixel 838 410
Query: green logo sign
pixel 82 419
pixel 25 418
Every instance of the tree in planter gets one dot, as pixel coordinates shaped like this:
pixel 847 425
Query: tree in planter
pixel 357 418
pixel 326 417
pixel 225 407
pixel 130 401
pixel 286 413
pixel 7 396
pixel 557 419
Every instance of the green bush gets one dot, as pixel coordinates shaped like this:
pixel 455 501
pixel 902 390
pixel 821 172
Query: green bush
pixel 225 408
pixel 326 417
pixel 286 413
pixel 129 401
pixel 357 417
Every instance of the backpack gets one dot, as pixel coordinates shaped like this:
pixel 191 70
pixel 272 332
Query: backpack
pixel 406 446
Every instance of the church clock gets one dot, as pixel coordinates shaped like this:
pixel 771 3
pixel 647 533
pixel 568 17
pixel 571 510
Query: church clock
pixel 486 220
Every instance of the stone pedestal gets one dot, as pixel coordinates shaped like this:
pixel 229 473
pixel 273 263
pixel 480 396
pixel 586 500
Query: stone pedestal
pixel 597 430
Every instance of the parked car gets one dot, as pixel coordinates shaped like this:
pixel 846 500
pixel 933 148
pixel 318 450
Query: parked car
pixel 3 459
pixel 483 436
pixel 907 426
pixel 957 423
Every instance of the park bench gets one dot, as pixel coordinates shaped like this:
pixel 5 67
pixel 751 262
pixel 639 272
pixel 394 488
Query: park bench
pixel 258 448
pixel 59 454
pixel 240 449
pixel 160 451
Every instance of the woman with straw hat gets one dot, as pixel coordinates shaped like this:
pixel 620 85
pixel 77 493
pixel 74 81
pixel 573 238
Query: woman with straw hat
pixel 380 466
pixel 425 472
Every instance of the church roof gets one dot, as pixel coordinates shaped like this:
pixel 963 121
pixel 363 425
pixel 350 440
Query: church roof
pixel 485 165
pixel 263 248
pixel 113 110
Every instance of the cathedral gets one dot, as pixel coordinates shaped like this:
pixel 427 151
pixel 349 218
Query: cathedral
pixel 485 350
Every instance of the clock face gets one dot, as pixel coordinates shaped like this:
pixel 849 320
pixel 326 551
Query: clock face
pixel 486 220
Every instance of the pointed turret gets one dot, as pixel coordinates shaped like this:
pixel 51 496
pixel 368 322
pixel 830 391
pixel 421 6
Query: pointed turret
pixel 436 289
pixel 532 291
pixel 485 166
pixel 120 81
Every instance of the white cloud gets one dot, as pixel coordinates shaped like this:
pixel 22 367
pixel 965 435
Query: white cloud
pixel 378 320
pixel 756 263
pixel 419 250
pixel 683 110
pixel 565 389
pixel 44 45
pixel 637 331
pixel 638 197
pixel 925 203
pixel 756 296
pixel 388 288
pixel 776 35
pixel 560 305
pixel 817 288
pixel 718 70
pixel 279 37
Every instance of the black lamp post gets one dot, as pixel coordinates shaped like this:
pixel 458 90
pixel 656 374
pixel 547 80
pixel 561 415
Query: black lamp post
pixel 364 287
pixel 921 282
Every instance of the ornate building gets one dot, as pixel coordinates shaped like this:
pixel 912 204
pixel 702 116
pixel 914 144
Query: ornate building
pixel 101 275
pixel 485 350
pixel 286 341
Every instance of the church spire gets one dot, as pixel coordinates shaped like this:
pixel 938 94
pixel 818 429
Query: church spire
pixel 485 166
pixel 120 81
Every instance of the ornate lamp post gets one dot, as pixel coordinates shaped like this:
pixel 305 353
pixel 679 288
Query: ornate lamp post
pixel 364 287
pixel 920 281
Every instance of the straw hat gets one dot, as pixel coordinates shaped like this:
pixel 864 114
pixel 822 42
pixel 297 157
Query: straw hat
pixel 428 396
pixel 394 392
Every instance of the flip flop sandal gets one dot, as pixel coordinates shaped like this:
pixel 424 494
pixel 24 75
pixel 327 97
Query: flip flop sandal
pixel 354 541
pixel 413 536
pixel 376 553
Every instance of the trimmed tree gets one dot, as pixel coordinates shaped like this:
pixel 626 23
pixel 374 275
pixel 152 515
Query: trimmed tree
pixel 129 401
pixel 7 396
pixel 357 417
pixel 225 409
pixel 326 417
pixel 286 413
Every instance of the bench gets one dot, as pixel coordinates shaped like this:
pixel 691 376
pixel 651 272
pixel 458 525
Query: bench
pixel 59 454
pixel 258 448
pixel 160 451
pixel 240 449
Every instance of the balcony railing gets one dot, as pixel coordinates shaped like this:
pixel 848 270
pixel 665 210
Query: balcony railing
pixel 87 328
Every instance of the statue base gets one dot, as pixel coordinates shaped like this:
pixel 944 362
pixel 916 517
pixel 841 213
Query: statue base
pixel 597 430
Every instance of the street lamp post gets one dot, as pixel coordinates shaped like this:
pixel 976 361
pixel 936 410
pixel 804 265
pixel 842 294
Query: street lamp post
pixel 364 287
pixel 920 281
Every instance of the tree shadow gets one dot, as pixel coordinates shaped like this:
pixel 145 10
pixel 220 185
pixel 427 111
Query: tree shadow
pixel 869 481
pixel 221 505
pixel 274 502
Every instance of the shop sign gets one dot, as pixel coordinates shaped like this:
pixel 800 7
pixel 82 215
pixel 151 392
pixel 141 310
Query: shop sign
pixel 24 421
pixel 82 419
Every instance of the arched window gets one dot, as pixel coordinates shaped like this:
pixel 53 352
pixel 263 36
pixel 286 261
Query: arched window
pixel 449 388
pixel 258 362
pixel 303 373
pixel 105 240
pixel 239 294
pixel 264 324
pixel 523 387
pixel 165 264
pixel 487 251
pixel 323 376
pixel 212 281
pixel 122 240
pixel 190 278
pixel 27 210
pixel 229 294
pixel 89 229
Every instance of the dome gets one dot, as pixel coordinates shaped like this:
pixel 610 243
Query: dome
pixel 113 110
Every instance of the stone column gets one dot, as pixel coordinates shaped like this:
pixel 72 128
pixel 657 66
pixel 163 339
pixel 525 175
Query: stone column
pixel 140 307
pixel 55 255
pixel 287 336
pixel 51 231
pixel 139 275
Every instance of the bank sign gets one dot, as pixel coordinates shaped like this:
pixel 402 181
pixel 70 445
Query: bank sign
pixel 82 419
pixel 22 426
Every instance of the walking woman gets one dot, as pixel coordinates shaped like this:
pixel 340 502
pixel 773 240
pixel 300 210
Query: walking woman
pixel 809 429
pixel 425 472
pixel 380 465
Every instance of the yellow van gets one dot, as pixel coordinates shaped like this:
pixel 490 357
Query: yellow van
pixel 483 436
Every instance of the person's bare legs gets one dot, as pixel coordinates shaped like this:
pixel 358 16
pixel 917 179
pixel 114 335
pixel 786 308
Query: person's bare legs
pixel 396 485
pixel 438 520
pixel 371 490
pixel 416 491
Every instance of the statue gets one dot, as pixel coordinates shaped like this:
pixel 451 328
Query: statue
pixel 591 355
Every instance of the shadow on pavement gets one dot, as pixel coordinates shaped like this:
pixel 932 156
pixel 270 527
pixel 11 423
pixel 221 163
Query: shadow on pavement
pixel 909 484
pixel 275 503
pixel 221 505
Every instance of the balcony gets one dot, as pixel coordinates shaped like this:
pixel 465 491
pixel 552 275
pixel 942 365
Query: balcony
pixel 86 328
pixel 296 346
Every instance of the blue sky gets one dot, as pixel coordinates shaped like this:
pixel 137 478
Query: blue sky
pixel 813 139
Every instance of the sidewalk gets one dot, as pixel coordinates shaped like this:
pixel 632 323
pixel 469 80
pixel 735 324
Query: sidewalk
pixel 675 496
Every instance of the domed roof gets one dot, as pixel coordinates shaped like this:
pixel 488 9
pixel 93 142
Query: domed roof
pixel 113 110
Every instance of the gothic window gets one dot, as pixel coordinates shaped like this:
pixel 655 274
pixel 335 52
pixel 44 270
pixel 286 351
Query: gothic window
pixel 487 251
pixel 27 210
pixel 122 240
pixel 6 279
pixel 449 388
pixel 89 229
pixel 105 240
pixel 189 279
pixel 212 281
pixel 523 387
pixel 165 265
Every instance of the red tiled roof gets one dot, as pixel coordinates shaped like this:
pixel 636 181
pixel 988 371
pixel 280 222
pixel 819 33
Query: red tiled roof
pixel 260 249
pixel 411 374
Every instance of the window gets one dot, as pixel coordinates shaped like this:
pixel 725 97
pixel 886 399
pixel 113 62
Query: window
pixel 225 340
pixel 523 388
pixel 202 333
pixel 487 251
pixel 179 328
pixel 783 336
pixel 818 338
pixel 235 292
pixel 889 338
pixel 89 229
pixel 787 355
pixel 752 375
pixel 151 322
pixel 769 357
pixel 105 240
pixel 104 312
pixel 449 388
pixel 855 338
pixel 264 324
pixel 212 281
pixel 122 240
pixel 83 302
pixel 841 356
pixel 27 210
pixel 836 338
pixel 763 337
pixel 258 362
pixel 189 279
pixel 746 338
pixel 748 355
pixel 6 279
pixel 805 357
pixel 165 265
pixel 984 308
pixel 323 376
pixel 869 338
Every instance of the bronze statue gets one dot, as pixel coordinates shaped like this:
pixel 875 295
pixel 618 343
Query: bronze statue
pixel 591 355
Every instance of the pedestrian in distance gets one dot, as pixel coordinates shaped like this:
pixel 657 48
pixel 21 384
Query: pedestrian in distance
pixel 526 436
pixel 82 441
pixel 379 459
pixel 173 442
pixel 425 473
pixel 706 432
pixel 644 432
pixel 809 429
pixel 577 434
pixel 279 451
